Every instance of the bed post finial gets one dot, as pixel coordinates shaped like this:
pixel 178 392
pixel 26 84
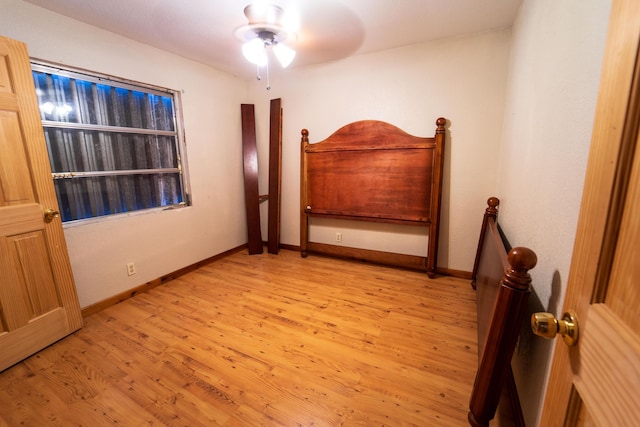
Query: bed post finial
pixel 492 208
pixel 522 260
pixel 305 135
pixel 440 122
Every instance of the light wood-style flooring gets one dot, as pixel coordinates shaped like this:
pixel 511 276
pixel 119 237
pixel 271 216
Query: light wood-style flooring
pixel 262 340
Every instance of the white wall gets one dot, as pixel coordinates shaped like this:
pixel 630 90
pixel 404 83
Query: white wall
pixel 462 79
pixel 553 80
pixel 162 241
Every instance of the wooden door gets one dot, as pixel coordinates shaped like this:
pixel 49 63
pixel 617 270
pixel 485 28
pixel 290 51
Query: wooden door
pixel 38 301
pixel 597 382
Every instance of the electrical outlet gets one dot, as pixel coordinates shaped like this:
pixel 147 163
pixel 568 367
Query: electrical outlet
pixel 338 237
pixel 131 269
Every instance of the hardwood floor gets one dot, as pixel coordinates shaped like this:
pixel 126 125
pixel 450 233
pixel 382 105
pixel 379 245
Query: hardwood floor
pixel 262 340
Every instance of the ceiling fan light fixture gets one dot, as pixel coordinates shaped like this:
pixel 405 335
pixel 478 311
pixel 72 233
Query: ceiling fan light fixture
pixel 266 29
pixel 284 54
pixel 255 52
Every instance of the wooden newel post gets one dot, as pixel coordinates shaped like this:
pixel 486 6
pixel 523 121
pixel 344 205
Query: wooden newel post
pixel 304 221
pixel 504 328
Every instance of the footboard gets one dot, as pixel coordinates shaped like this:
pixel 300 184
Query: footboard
pixel 503 284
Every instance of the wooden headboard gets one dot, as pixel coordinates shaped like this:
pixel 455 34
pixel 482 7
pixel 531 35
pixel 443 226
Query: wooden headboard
pixel 373 171
pixel 503 285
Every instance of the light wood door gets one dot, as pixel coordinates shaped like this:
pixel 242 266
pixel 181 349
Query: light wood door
pixel 38 301
pixel 597 382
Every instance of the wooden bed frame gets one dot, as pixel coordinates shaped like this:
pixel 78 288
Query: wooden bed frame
pixel 373 171
pixel 503 285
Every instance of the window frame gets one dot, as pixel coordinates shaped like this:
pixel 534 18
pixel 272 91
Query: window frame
pixel 43 66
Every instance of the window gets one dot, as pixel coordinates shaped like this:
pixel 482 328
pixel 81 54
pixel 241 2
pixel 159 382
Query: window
pixel 114 146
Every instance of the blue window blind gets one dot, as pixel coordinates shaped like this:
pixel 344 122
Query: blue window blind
pixel 113 147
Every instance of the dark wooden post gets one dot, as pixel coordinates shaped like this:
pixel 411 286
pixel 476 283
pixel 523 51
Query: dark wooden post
pixel 304 220
pixel 275 175
pixel 490 212
pixel 251 196
pixel 504 328
pixel 438 171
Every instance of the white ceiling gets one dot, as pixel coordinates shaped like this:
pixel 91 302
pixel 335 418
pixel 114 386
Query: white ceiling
pixel 203 30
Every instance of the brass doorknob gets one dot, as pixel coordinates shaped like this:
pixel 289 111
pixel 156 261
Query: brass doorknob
pixel 50 214
pixel 546 325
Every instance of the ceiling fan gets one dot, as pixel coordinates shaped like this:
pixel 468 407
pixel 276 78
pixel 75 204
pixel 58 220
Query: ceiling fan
pixel 267 30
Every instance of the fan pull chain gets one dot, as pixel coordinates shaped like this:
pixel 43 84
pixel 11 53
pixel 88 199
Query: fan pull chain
pixel 258 76
pixel 268 79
